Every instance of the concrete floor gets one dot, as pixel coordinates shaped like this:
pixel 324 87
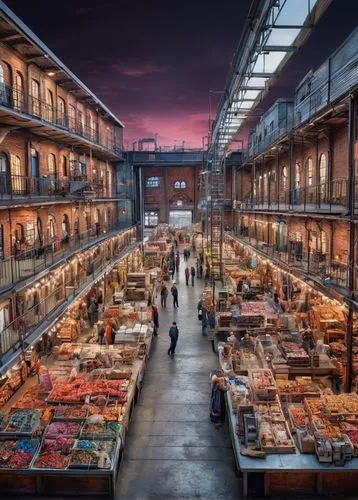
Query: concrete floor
pixel 172 449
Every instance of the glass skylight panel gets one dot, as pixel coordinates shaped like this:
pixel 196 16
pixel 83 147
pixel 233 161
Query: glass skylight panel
pixel 282 36
pixel 268 63
pixel 293 12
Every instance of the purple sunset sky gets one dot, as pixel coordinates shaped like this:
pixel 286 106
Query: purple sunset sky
pixel 154 63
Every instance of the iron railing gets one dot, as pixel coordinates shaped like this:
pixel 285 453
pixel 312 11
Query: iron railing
pixel 26 264
pixel 24 103
pixel 19 186
pixel 313 263
pixel 326 197
pixel 14 335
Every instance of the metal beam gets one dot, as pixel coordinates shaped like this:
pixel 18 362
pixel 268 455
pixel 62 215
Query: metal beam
pixel 256 87
pixel 278 48
pixel 261 75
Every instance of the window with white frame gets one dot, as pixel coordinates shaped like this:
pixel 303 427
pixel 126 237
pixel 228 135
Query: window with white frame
pixel 151 219
pixel 153 182
pixel 180 184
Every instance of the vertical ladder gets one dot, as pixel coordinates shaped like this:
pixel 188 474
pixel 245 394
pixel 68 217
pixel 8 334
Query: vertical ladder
pixel 217 199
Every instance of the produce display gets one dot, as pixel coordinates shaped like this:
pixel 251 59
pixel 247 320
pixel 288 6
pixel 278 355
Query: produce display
pixel 51 460
pixel 21 422
pixel 17 454
pixel 59 429
pixel 258 308
pixel 263 384
pixel 78 389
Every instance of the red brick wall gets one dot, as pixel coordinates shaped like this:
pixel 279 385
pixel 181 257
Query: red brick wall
pixel 156 198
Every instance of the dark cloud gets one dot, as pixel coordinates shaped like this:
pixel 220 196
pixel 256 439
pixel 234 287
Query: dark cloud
pixel 154 63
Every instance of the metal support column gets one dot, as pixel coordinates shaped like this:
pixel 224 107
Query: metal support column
pixel 351 254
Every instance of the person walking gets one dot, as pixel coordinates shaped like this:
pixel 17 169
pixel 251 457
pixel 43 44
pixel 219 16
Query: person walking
pixel 155 318
pixel 174 291
pixel 192 272
pixel 197 269
pixel 92 313
pixel 185 255
pixel 173 334
pixel 200 270
pixel 100 332
pixel 163 296
pixel 187 274
pixel 177 261
pixel 172 268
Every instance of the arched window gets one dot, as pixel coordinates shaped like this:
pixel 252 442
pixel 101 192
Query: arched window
pixel 297 175
pixel 19 97
pixel 71 117
pixel 260 186
pixel 52 164
pixel 323 170
pixel 49 106
pixel 35 97
pixel 323 177
pixel 16 181
pixel 153 182
pixel 309 172
pixel 39 231
pixel 15 165
pixel 64 166
pixel 265 185
pixel 61 112
pixel 284 179
pixel 180 184
pixel 51 227
pixel 65 228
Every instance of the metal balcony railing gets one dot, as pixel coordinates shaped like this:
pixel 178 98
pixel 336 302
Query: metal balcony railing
pixel 24 103
pixel 26 264
pixel 324 197
pixel 15 334
pixel 20 186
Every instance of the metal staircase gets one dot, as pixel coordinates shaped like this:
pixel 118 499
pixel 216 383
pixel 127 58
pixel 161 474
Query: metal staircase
pixel 216 215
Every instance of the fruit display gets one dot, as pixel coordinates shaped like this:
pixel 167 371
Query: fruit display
pixel 257 308
pixel 51 460
pixel 34 397
pixel 298 416
pixel 263 384
pixel 296 390
pixel 83 458
pixel 61 444
pixel 20 422
pixel 58 429
pixel 81 387
pixel 70 412
pixel 101 430
pixel 17 454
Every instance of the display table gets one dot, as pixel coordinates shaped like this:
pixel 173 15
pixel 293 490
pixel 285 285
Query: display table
pixel 285 474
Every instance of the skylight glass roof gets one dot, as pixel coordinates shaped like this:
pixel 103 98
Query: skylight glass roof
pixel 266 45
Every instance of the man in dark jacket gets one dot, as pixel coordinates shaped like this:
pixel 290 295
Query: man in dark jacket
pixel 192 272
pixel 155 317
pixel 173 334
pixel 174 291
